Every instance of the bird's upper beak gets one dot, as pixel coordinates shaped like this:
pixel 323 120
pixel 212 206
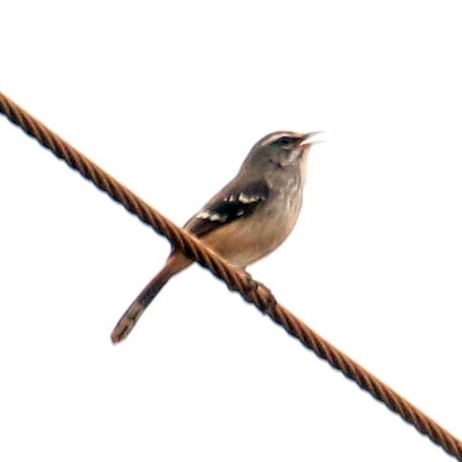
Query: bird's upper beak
pixel 311 138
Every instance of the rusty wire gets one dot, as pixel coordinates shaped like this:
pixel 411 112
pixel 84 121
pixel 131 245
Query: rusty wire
pixel 236 279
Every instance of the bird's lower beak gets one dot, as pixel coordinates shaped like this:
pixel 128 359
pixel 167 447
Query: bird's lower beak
pixel 311 138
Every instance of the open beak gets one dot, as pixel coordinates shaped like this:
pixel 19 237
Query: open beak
pixel 311 138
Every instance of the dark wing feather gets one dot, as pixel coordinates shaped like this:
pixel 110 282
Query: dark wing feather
pixel 234 202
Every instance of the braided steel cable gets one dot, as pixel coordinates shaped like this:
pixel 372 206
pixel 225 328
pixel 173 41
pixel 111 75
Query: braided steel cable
pixel 236 279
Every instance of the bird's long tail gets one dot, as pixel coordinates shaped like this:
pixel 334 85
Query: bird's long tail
pixel 175 263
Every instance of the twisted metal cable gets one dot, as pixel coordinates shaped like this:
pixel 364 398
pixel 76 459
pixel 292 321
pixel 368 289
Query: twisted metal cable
pixel 236 279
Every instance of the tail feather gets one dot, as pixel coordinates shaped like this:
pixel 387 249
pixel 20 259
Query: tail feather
pixel 127 322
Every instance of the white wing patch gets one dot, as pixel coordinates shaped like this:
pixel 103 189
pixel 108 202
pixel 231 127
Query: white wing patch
pixel 245 199
pixel 212 216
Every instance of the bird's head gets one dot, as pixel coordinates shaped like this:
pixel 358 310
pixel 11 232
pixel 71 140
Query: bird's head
pixel 280 150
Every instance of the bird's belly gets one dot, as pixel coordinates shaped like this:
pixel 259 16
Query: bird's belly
pixel 242 243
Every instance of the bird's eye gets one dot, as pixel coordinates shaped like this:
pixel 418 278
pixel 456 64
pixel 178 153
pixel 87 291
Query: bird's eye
pixel 284 141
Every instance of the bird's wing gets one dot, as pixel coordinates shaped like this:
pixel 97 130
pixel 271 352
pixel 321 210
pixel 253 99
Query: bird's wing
pixel 235 201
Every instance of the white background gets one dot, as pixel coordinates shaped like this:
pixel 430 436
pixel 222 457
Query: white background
pixel 169 99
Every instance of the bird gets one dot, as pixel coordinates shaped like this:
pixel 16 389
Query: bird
pixel 247 219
